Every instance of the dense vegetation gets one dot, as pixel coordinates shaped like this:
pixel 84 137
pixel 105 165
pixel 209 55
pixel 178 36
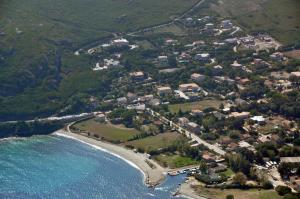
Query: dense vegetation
pixel 38 71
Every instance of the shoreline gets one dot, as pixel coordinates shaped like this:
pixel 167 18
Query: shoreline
pixel 152 176
pixel 185 190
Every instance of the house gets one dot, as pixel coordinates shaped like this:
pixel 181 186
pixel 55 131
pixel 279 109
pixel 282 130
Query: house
pixel 100 117
pixel 258 119
pixel 242 115
pixel 164 91
pixel 137 76
pixel 193 127
pixel 208 157
pixel 231 40
pixel 277 56
pixel 235 64
pixel 295 74
pixel 226 24
pixel 163 61
pixel 192 87
pixel 202 57
pixel 197 77
pixel 183 121
pixel 197 113
pixel 154 102
pixel 290 159
pixel 122 101
pixel 120 42
pixel 209 27
pixel 131 97
pixel 244 81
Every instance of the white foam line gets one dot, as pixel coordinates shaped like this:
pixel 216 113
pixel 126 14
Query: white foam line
pixel 104 150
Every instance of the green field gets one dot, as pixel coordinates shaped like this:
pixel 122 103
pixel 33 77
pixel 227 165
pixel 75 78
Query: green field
pixel 174 161
pixel 174 108
pixel 280 18
pixel 38 72
pixel 156 142
pixel 238 194
pixel 106 131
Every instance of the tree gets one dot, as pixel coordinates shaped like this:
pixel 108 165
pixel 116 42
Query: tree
pixel 203 167
pixel 240 178
pixel 230 196
pixel 282 190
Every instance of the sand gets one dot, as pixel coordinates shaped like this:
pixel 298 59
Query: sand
pixel 153 176
pixel 187 191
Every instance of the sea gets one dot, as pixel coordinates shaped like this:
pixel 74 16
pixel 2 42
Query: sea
pixel 58 167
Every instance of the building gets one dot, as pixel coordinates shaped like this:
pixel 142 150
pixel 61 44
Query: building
pixel 164 91
pixel 163 61
pixel 193 127
pixel 209 26
pixel 258 119
pixel 137 76
pixel 226 24
pixel 100 117
pixel 290 159
pixel 131 97
pixel 192 87
pixel 295 74
pixel 202 57
pixel 122 101
pixel 197 77
pixel 242 115
pixel 120 42
pixel 197 113
pixel 277 56
pixel 183 121
pixel 235 64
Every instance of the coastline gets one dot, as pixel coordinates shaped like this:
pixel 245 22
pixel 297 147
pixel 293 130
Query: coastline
pixel 185 189
pixel 152 176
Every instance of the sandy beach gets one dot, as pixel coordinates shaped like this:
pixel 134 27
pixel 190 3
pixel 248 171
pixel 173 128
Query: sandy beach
pixel 187 191
pixel 153 176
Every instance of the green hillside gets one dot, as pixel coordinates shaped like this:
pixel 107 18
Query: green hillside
pixel 38 71
pixel 280 18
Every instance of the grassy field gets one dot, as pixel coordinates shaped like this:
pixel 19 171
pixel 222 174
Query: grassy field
pixel 238 194
pixel 37 65
pixel 156 142
pixel 107 131
pixel 280 18
pixel 174 108
pixel 174 161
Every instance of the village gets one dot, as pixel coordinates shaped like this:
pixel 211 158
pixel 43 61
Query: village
pixel 208 94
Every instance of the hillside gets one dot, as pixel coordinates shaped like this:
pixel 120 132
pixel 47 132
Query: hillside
pixel 37 38
pixel 280 18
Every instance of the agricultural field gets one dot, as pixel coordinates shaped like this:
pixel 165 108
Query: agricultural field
pixel 238 193
pixel 156 142
pixel 108 132
pixel 280 18
pixel 38 67
pixel 201 105
pixel 174 161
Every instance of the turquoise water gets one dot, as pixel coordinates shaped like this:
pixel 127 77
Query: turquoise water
pixel 58 167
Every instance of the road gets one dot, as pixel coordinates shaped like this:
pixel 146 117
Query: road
pixel 49 119
pixel 151 28
pixel 187 133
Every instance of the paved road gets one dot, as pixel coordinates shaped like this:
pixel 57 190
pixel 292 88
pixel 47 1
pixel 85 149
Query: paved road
pixel 49 119
pixel 189 134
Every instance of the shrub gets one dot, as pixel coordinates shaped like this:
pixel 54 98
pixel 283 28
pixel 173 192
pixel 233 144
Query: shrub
pixel 282 190
pixel 230 196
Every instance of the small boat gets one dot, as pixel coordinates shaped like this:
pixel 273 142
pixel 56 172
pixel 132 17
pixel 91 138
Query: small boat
pixel 173 173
